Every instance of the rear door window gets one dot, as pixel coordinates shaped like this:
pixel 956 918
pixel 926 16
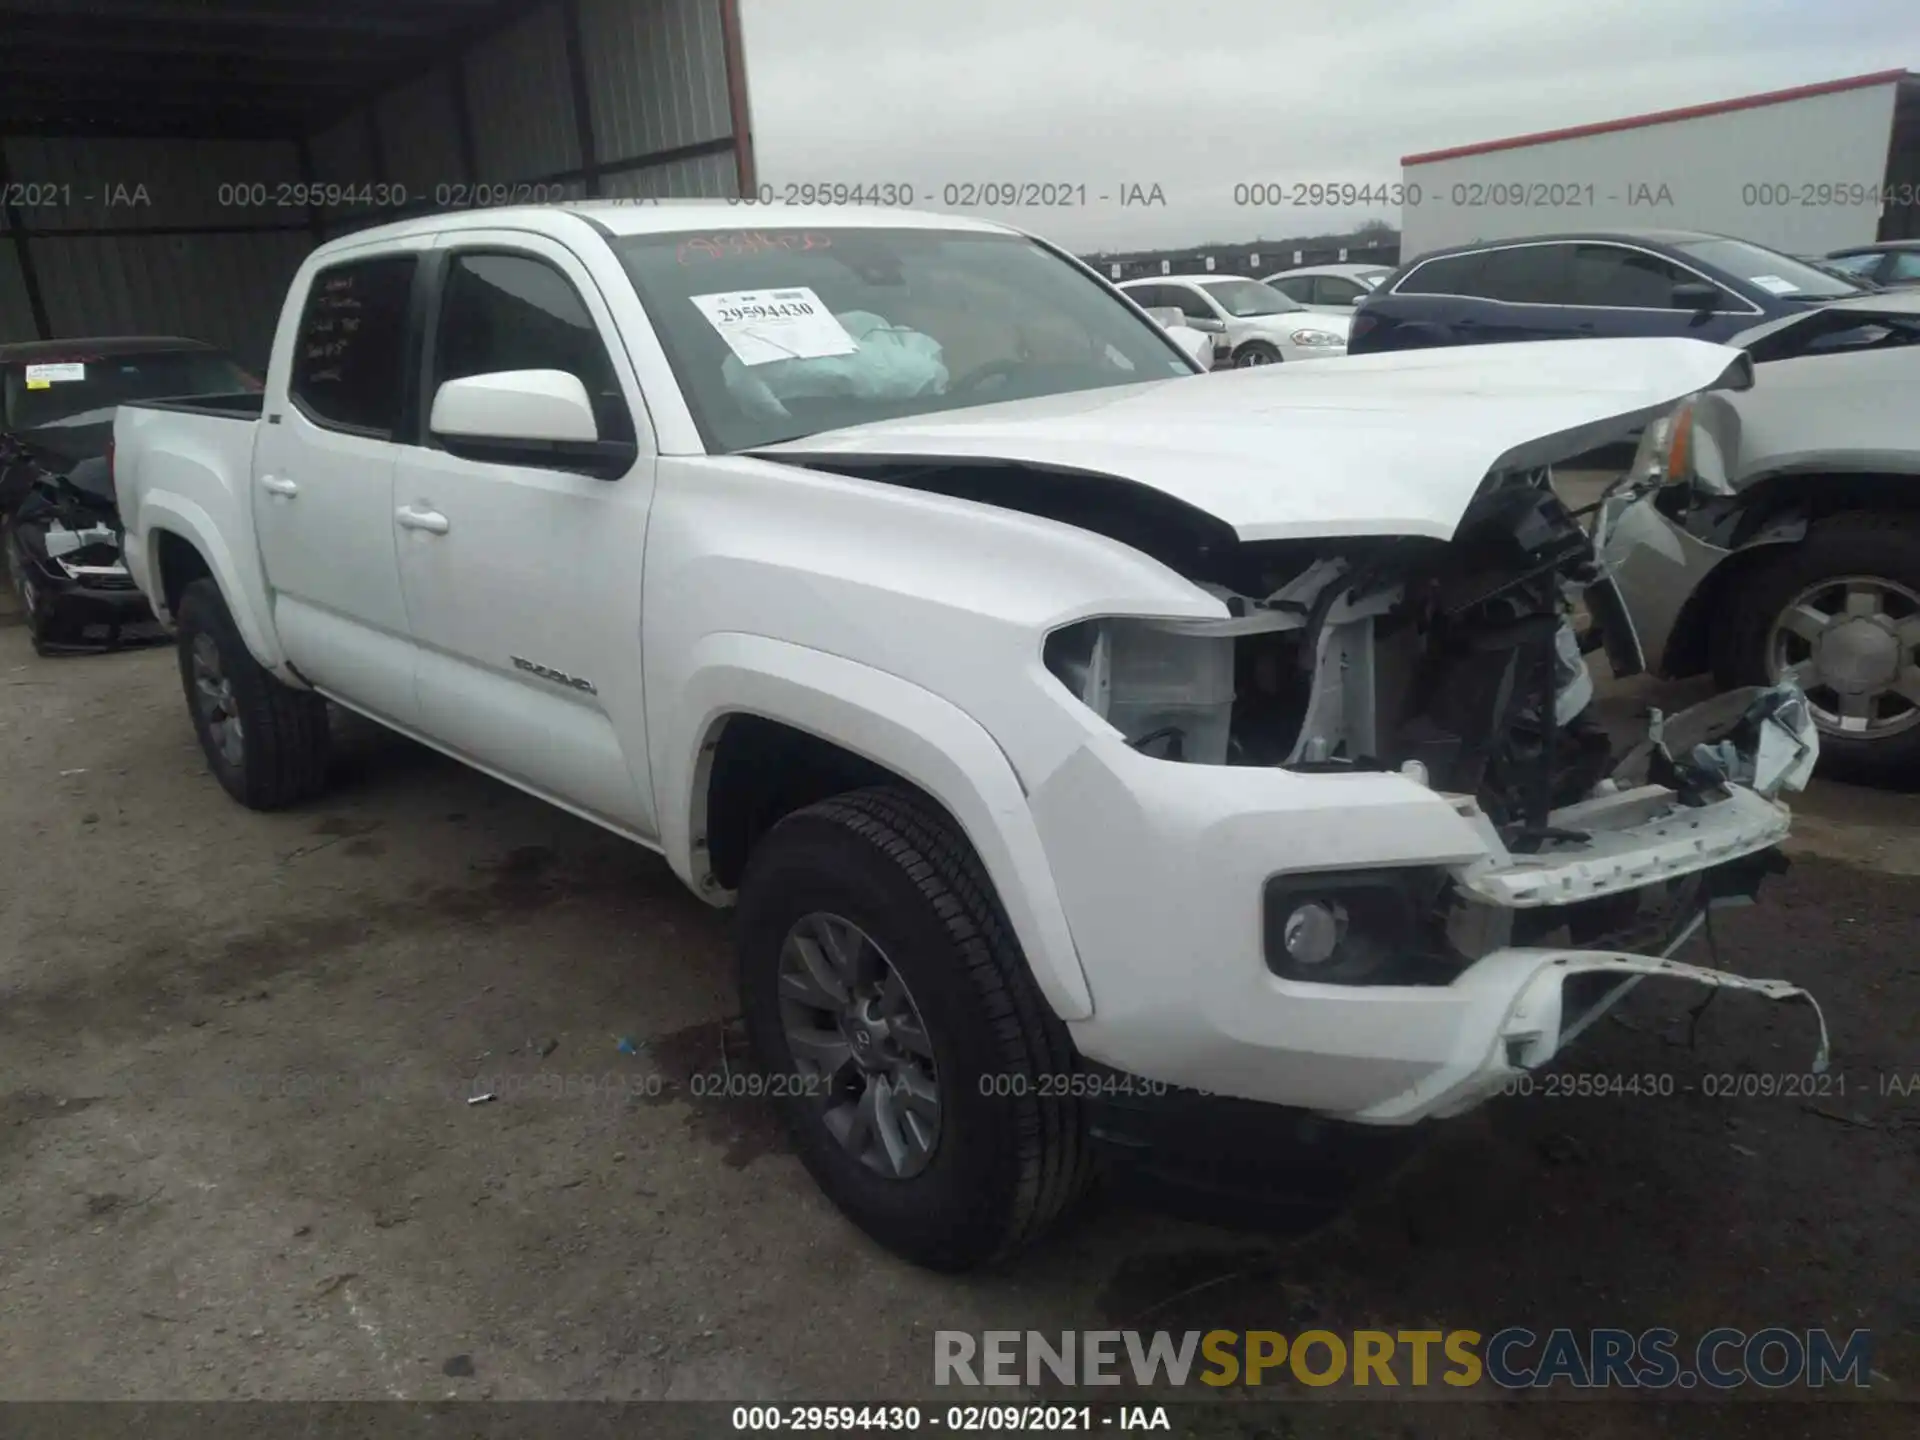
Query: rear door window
pixel 1527 275
pixel 347 358
pixel 1447 275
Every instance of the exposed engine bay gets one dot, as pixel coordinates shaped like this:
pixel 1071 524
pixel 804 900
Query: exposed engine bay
pixel 1458 663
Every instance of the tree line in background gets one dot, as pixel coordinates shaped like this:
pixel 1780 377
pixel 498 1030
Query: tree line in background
pixel 1374 242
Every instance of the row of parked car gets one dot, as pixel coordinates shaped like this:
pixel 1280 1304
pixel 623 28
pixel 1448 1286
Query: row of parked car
pixel 1787 545
pixel 1548 287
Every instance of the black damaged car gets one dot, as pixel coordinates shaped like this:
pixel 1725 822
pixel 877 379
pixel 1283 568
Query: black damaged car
pixel 59 524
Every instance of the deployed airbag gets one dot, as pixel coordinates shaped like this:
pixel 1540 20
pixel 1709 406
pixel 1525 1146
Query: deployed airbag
pixel 891 362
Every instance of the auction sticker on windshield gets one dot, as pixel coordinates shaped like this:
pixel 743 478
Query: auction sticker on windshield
pixel 1775 285
pixel 760 326
pixel 41 376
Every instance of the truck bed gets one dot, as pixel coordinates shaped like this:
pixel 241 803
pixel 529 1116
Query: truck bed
pixel 242 405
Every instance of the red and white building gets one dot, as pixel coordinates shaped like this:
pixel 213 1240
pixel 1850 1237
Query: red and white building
pixel 1806 170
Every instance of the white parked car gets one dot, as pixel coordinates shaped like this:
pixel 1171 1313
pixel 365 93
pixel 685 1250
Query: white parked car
pixel 1329 289
pixel 1252 324
pixel 1774 532
pixel 1110 768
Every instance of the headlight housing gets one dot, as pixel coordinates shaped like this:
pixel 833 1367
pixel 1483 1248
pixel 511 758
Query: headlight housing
pixel 1665 456
pixel 1317 339
pixel 1169 693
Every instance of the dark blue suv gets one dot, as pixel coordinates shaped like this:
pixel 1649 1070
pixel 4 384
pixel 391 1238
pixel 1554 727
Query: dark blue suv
pixel 1569 287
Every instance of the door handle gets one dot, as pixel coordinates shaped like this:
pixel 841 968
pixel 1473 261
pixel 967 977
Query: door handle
pixel 431 521
pixel 279 485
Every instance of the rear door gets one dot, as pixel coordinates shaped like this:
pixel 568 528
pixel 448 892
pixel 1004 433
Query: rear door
pixel 1427 306
pixel 1528 287
pixel 522 582
pixel 323 486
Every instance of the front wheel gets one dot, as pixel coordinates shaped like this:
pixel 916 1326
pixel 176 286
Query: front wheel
pixel 44 626
pixel 1840 614
pixel 1255 352
pixel 913 1058
pixel 265 742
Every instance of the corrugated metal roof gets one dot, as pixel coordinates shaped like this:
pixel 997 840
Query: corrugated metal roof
pixel 240 67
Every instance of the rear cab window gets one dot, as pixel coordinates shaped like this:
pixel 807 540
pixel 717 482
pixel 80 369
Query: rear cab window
pixel 349 354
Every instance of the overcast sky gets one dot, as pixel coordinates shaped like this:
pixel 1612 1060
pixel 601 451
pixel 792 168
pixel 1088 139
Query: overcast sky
pixel 1199 95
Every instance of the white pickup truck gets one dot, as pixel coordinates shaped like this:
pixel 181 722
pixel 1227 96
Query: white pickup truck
pixel 1116 766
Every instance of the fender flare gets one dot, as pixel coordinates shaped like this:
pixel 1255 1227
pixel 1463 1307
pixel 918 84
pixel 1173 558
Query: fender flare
pixel 242 584
pixel 896 724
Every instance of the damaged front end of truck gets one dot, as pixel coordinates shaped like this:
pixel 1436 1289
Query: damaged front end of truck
pixel 1442 847
pixel 1458 664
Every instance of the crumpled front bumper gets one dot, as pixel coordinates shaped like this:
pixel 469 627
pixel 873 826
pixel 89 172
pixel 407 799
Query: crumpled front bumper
pixel 1161 868
pixel 1525 1021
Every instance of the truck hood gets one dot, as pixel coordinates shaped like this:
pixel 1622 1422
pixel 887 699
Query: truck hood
pixel 1393 444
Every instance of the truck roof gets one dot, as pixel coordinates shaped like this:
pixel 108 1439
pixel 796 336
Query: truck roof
pixel 652 217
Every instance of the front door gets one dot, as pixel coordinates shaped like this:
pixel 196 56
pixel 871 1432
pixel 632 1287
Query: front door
pixel 522 583
pixel 323 488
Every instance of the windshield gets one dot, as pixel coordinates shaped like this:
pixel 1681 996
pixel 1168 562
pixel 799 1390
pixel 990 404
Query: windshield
pixel 1245 298
pixel 83 388
pixel 776 334
pixel 1769 270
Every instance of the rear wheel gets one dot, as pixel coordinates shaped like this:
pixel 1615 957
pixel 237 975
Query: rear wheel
pixel 265 742
pixel 914 1060
pixel 1255 352
pixel 1839 613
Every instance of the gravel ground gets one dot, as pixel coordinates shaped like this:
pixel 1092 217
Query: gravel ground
pixel 237 1158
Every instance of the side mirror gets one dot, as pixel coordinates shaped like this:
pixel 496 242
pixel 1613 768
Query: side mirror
pixel 540 418
pixel 1695 295
pixel 1356 299
pixel 1205 324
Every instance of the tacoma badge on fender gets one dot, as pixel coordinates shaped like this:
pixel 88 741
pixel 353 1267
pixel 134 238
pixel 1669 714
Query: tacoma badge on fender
pixel 559 677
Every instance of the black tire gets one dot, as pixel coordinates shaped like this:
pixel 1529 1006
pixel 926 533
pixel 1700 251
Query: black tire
pixel 283 731
pixel 44 626
pixel 1256 352
pixel 1884 545
pixel 1005 1166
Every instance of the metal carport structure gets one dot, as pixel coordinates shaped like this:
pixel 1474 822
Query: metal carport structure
pixel 160 159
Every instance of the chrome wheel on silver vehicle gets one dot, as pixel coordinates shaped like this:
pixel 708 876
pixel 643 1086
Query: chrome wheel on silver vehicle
pixel 213 693
pixel 1853 644
pixel 855 1033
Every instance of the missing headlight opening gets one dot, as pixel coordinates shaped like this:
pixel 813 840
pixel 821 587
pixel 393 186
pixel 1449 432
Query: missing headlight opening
pixel 1456 660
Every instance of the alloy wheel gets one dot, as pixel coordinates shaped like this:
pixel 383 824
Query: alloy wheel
pixel 1853 644
pixel 213 694
pixel 857 1036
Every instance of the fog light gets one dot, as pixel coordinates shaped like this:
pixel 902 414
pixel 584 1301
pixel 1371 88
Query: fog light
pixel 1313 932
